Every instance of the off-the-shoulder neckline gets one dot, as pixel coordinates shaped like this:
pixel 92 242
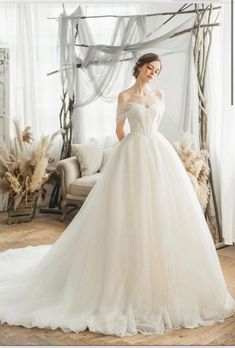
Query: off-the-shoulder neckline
pixel 145 106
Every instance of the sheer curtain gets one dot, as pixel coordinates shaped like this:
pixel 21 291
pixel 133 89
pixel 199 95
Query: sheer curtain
pixel 228 132
pixel 222 124
pixel 32 40
pixel 97 119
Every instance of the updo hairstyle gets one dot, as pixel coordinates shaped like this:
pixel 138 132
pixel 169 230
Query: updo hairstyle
pixel 145 59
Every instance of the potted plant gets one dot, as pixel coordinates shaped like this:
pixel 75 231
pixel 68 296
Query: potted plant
pixel 23 172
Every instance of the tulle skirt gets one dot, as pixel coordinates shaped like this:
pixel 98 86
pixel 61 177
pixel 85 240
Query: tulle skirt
pixel 138 256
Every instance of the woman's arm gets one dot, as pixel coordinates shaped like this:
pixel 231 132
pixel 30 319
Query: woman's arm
pixel 121 117
pixel 120 129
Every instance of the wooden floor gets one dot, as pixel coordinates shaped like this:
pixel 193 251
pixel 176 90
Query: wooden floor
pixel 45 229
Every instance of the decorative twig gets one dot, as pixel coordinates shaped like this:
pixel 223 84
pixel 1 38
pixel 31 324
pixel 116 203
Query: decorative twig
pixel 195 27
pixel 126 59
pixel 66 124
pixel 201 56
pixel 182 9
pixel 127 16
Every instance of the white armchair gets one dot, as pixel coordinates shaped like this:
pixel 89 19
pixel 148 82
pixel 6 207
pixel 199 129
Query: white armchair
pixel 78 179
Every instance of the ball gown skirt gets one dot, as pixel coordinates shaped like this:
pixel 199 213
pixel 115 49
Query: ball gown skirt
pixel 138 256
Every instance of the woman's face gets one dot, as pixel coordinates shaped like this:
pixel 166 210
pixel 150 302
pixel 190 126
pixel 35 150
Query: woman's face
pixel 149 71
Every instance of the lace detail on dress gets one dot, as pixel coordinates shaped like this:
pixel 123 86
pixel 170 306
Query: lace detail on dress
pixel 119 324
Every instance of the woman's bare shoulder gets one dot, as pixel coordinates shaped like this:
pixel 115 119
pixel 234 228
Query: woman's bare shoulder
pixel 160 93
pixel 124 95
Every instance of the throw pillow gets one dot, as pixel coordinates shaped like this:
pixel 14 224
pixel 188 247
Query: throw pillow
pixel 89 157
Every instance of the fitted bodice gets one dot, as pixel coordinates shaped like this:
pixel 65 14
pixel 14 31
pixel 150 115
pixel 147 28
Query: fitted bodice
pixel 144 119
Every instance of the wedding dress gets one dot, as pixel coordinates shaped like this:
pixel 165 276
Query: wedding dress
pixel 138 256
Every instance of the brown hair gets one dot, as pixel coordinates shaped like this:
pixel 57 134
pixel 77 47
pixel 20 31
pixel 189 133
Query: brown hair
pixel 145 59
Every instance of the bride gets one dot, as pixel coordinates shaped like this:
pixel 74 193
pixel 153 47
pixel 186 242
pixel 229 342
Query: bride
pixel 138 256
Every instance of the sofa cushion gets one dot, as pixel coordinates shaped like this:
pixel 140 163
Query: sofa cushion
pixel 107 153
pixel 82 186
pixel 89 157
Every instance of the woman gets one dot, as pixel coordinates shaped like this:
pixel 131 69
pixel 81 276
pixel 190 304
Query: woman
pixel 138 256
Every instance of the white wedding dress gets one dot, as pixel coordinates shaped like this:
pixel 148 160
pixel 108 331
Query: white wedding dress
pixel 138 256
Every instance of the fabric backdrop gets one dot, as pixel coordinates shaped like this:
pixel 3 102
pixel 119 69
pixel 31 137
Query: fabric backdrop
pixel 106 68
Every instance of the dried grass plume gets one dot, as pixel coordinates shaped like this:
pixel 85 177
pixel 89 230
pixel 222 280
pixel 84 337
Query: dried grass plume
pixel 23 169
pixel 196 166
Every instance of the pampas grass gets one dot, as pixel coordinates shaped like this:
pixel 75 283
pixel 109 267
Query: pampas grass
pixel 23 170
pixel 38 175
pixel 196 166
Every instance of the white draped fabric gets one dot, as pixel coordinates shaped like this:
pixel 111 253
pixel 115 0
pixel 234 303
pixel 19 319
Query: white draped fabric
pixel 221 125
pixel 31 38
pixel 227 117
pixel 228 176
pixel 106 68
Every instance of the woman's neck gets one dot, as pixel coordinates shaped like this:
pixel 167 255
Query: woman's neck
pixel 141 88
